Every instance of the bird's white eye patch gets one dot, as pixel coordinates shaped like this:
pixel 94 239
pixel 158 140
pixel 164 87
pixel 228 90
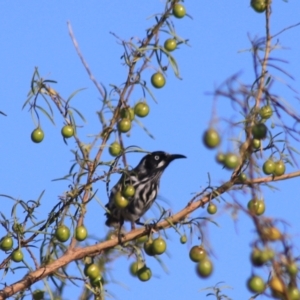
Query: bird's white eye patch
pixel 156 157
pixel 161 164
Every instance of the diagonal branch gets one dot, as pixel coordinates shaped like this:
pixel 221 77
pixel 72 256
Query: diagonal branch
pixel 80 253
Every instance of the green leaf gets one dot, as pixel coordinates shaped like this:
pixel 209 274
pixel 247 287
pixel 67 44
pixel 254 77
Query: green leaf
pixel 79 114
pixel 174 66
pixel 7 196
pixel 149 92
pixel 64 177
pixel 49 106
pixel 46 113
pixel 294 149
pixel 27 101
pixel 49 80
pixel 35 73
pixel 40 196
pixel 74 93
pixel 143 127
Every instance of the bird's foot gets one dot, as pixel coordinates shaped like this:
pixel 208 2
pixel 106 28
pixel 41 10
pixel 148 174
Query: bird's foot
pixel 120 235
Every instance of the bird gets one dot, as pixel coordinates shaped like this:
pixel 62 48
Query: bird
pixel 145 178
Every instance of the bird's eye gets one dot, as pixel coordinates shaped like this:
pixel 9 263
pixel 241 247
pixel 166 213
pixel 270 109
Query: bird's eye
pixel 156 157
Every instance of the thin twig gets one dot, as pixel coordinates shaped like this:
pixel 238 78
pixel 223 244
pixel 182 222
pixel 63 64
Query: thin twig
pixel 98 86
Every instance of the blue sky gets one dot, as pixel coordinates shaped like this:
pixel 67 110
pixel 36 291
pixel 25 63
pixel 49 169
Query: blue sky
pixel 34 34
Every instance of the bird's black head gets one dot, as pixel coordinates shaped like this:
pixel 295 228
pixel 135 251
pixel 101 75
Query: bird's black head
pixel 157 160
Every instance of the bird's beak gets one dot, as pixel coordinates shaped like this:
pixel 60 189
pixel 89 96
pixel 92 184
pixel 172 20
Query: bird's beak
pixel 175 156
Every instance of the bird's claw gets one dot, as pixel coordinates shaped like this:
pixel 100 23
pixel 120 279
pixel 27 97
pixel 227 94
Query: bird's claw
pixel 151 227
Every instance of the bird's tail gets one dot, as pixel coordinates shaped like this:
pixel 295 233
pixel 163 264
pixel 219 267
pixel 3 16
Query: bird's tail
pixel 111 221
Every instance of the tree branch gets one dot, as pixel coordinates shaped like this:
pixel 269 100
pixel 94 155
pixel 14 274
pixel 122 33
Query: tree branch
pixel 80 253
